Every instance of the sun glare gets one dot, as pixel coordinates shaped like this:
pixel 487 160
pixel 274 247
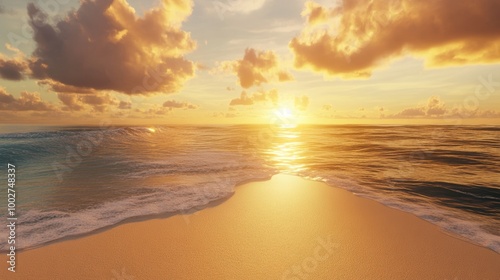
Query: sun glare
pixel 286 117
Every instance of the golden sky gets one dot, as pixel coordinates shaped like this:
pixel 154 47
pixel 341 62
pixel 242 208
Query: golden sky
pixel 237 61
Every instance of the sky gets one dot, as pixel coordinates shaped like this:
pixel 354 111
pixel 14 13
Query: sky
pixel 86 62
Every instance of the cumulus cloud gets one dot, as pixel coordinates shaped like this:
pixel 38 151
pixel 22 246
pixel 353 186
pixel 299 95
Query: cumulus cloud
pixel 12 69
pixel 301 103
pixel 28 101
pixel 435 108
pixel 172 104
pixel 257 68
pixel 246 99
pixel 104 45
pixel 80 102
pixel 352 39
pixel 411 112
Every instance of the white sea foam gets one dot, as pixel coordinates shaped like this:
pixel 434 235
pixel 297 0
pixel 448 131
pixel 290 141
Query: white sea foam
pixel 36 227
pixel 456 223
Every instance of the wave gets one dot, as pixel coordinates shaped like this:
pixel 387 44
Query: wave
pixel 37 228
pixel 469 227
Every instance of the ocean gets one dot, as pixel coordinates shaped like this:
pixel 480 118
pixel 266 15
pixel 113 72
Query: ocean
pixel 74 180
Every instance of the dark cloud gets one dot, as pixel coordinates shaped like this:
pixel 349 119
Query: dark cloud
pixel 62 88
pixel 12 69
pixel 104 45
pixel 28 101
pixel 246 99
pixel 368 33
pixel 257 68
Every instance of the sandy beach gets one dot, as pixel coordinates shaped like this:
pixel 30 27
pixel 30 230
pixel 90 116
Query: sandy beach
pixel 285 228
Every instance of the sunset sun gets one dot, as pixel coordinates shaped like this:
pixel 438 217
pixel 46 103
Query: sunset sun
pixel 286 117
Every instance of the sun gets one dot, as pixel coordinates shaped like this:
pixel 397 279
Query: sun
pixel 285 117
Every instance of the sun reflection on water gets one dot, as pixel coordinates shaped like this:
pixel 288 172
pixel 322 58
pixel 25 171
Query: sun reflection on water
pixel 287 151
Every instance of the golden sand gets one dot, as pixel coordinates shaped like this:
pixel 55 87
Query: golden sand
pixel 285 228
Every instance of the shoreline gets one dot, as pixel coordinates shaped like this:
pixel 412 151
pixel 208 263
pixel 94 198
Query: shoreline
pixel 284 205
pixel 216 202
pixel 142 218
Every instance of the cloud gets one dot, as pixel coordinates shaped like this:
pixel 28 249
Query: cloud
pixel 125 105
pixel 166 108
pixel 411 112
pixel 435 108
pixel 62 88
pixel 218 115
pixel 104 45
pixel 246 99
pixel 172 104
pixel 257 68
pixel 81 102
pixel 231 115
pixel 232 7
pixel 301 103
pixel 353 39
pixel 155 111
pixel 327 107
pixel 28 101
pixel 228 115
pixel 12 69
